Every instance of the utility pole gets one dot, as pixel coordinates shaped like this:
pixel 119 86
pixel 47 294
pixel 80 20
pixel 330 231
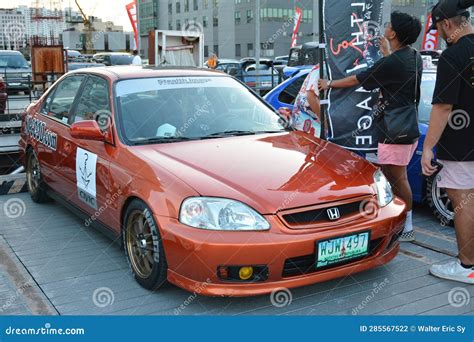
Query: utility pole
pixel 257 46
pixel 315 20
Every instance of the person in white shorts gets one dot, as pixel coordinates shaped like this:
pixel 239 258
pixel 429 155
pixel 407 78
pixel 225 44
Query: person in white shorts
pixel 452 132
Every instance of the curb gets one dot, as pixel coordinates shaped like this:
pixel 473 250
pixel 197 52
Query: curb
pixel 15 184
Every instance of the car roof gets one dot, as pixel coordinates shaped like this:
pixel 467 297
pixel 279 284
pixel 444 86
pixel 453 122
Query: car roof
pixel 133 72
pixel 10 52
pixel 112 54
pixel 225 61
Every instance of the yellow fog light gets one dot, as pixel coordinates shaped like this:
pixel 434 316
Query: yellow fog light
pixel 245 273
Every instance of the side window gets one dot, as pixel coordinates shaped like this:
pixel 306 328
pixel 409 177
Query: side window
pixel 94 101
pixel 60 103
pixel 289 94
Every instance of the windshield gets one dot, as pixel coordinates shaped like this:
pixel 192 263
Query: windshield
pixel 427 90
pixel 294 57
pixel 13 61
pixel 121 60
pixel 184 108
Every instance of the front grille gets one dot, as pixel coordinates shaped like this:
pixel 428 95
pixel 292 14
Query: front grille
pixel 321 215
pixel 307 264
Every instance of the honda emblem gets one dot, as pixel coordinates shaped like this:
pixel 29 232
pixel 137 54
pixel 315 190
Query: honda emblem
pixel 334 214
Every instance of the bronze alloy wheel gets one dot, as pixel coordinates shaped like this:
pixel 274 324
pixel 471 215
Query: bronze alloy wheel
pixel 33 173
pixel 143 246
pixel 139 244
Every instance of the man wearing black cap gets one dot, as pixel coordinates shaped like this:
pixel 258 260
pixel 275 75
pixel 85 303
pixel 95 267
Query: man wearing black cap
pixel 452 132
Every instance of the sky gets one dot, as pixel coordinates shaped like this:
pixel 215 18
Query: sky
pixel 113 10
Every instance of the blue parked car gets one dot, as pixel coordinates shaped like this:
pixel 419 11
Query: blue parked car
pixel 424 190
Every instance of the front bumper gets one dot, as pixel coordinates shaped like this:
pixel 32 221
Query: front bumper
pixel 18 85
pixel 194 255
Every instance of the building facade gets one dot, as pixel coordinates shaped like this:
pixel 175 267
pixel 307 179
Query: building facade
pixel 13 35
pixel 229 25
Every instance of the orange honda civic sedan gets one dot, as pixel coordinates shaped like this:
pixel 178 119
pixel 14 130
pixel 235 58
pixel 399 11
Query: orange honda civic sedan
pixel 204 183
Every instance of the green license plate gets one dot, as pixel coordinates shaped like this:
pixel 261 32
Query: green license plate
pixel 339 250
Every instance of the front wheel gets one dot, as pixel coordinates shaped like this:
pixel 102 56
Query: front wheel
pixel 439 202
pixel 143 246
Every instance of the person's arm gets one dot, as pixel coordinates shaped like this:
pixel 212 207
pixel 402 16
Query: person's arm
pixel 446 95
pixel 438 122
pixel 370 79
pixel 347 82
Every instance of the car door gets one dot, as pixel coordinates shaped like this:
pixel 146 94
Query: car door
pixel 88 171
pixel 53 119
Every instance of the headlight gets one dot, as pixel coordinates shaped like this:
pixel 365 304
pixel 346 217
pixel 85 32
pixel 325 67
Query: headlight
pixel 25 75
pixel 220 214
pixel 384 190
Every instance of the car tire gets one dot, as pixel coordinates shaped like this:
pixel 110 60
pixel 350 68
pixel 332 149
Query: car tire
pixel 143 246
pixel 34 180
pixel 439 202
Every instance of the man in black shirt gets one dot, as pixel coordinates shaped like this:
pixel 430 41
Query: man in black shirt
pixel 452 132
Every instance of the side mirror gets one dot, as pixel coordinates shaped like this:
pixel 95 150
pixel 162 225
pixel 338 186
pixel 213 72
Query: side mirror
pixel 87 130
pixel 285 112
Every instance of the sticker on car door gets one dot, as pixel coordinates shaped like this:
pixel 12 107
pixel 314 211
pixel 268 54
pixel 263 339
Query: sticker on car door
pixel 38 131
pixel 86 165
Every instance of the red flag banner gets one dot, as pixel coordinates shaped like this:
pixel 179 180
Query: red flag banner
pixel 298 17
pixel 430 40
pixel 132 14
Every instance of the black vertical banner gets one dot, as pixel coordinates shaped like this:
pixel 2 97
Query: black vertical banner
pixel 350 29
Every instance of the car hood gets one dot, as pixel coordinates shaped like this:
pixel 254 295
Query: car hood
pixel 267 172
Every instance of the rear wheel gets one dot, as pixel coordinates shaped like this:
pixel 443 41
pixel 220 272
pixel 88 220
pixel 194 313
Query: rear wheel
pixel 439 202
pixel 35 183
pixel 143 246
